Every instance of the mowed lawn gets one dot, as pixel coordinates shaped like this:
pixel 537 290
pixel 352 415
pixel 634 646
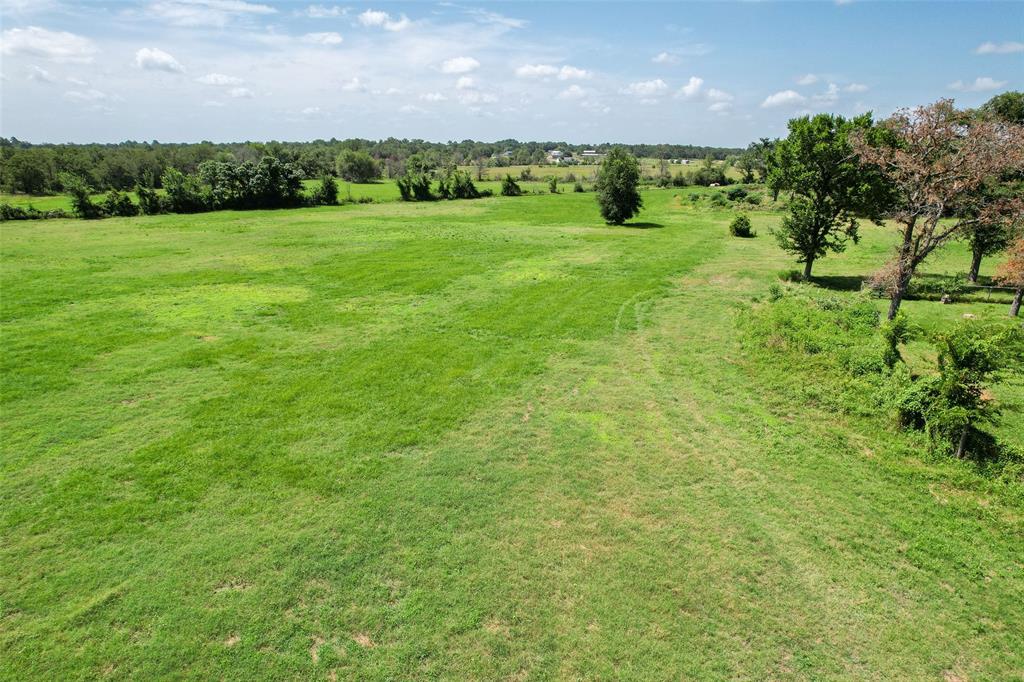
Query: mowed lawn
pixel 489 439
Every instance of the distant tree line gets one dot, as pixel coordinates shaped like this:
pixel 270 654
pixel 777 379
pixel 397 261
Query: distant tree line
pixel 38 169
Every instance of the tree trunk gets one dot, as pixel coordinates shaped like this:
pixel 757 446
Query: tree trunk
pixel 1015 306
pixel 972 276
pixel 808 264
pixel 962 443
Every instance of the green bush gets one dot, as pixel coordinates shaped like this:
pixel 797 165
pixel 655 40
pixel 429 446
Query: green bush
pixel 740 227
pixel 577 186
pixel 9 212
pixel 736 193
pixel 509 187
pixel 119 204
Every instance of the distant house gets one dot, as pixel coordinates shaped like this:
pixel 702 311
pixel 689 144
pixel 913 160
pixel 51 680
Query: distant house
pixel 591 154
pixel 507 154
pixel 558 156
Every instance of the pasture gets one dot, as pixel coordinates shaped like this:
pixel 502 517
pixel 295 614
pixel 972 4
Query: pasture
pixel 490 439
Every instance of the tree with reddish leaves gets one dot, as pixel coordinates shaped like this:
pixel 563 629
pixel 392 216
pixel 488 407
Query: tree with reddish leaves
pixel 1011 273
pixel 937 158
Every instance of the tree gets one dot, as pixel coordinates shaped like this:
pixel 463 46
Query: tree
pixel 1008 106
pixel 987 239
pixel 616 186
pixel 1011 273
pixel 817 164
pixel 935 157
pixel 357 166
pixel 81 197
pixel 509 187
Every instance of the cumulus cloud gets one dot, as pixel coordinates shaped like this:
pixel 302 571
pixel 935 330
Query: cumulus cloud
pixel 241 93
pixel 647 89
pixel 1009 47
pixel 323 38
pixel 980 84
pixel 783 98
pixel 324 12
pixel 665 58
pixel 716 95
pixel 720 107
pixel 807 79
pixel 856 87
pixel 572 92
pixel 465 83
pixel 206 13
pixel 40 75
pixel 476 97
pixel 568 73
pixel 433 97
pixel 219 79
pixel 56 46
pixel 353 85
pixel 155 59
pixel 311 111
pixel 536 71
pixel 830 96
pixel 381 19
pixel 460 65
pixel 692 87
pixel 412 109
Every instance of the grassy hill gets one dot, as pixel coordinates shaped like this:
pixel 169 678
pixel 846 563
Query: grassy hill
pixel 469 440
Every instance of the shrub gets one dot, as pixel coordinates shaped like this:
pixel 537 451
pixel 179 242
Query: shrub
pixel 327 193
pixel 577 186
pixel 119 204
pixel 553 184
pixel 81 197
pixel 740 227
pixel 357 167
pixel 509 187
pixel 184 193
pixel 415 187
pixel 736 193
pixel 679 180
pixel 150 202
pixel 526 174
pixel 456 184
pixel 9 212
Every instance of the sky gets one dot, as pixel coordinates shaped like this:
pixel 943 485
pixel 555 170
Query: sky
pixel 711 73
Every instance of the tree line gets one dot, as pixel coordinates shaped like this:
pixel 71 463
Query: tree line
pixel 39 168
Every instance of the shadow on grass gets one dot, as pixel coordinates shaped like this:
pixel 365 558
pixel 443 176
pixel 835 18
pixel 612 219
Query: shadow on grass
pixel 643 226
pixel 838 282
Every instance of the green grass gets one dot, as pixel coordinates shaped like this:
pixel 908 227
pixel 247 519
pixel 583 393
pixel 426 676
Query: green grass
pixel 466 440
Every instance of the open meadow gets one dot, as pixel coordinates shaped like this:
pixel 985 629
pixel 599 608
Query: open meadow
pixel 490 439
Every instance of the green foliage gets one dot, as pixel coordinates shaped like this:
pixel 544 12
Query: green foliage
pixel 184 192
pixel 1008 106
pixel 509 187
pixel 817 164
pixel 457 184
pixel 736 193
pixel 119 204
pixel 577 186
pixel 709 174
pixel 327 193
pixel 357 166
pixel 740 227
pixel 9 212
pixel 414 186
pixel 617 187
pixel 553 184
pixel 150 202
pixel 81 197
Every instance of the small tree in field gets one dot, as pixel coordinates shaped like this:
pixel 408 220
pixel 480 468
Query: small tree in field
pixel 509 187
pixel 1011 273
pixel 357 167
pixel 817 164
pixel 616 187
pixel 935 159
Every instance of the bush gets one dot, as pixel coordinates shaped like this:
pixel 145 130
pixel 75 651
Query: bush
pixel 357 167
pixel 509 187
pixel 326 194
pixel 9 212
pixel 577 186
pixel 184 192
pixel 736 194
pixel 119 204
pixel 526 174
pixel 456 184
pixel 81 197
pixel 553 184
pixel 790 275
pixel 415 187
pixel 740 227
pixel 617 181
pixel 679 180
pixel 150 202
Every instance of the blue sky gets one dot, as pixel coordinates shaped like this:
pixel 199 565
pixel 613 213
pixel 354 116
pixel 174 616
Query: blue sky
pixel 703 73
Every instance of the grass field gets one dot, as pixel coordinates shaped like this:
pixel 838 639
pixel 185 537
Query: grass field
pixel 487 439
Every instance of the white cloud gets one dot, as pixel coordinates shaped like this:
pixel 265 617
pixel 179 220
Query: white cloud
pixel 433 97
pixel 665 58
pixel 1009 47
pixel 57 46
pixel 460 65
pixel 155 59
pixel 783 98
pixel 208 13
pixel 476 97
pixel 412 109
pixel 212 103
pixel 536 70
pixel 487 17
pixel 720 107
pixel 323 38
pixel 980 84
pixel 692 88
pixel 830 96
pixel 856 87
pixel 40 75
pixel 465 83
pixel 572 92
pixel 716 95
pixel 86 96
pixel 646 89
pixel 78 81
pixel 353 85
pixel 568 73
pixel 310 111
pixel 324 12
pixel 383 20
pixel 241 93
pixel 807 79
pixel 219 79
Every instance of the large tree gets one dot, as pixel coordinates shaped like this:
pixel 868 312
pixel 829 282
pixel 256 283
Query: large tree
pixel 617 182
pixel 1011 273
pixel 831 190
pixel 935 157
pixel 357 166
